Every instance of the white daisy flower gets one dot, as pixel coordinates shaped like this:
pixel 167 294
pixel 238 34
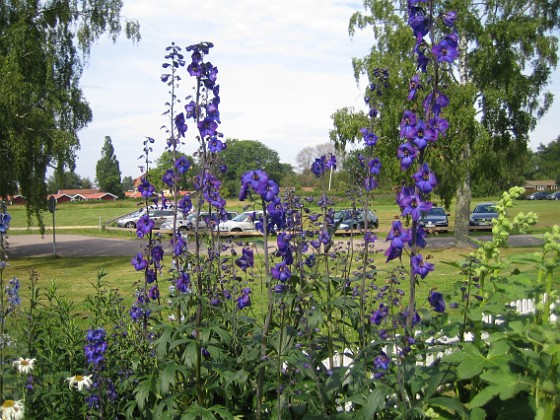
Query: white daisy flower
pixel 12 410
pixel 80 382
pixel 24 365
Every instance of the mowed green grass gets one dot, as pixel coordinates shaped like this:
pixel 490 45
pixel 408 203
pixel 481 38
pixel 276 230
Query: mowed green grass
pixel 75 277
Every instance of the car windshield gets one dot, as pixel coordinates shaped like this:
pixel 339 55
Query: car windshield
pixel 436 211
pixel 243 217
pixel 483 208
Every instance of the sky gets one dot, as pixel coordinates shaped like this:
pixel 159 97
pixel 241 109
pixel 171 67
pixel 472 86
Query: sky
pixel 284 68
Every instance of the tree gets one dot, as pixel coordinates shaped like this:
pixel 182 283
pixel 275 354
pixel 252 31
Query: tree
pixel 162 164
pixel 497 89
pixel 43 48
pixel 547 158
pixel 241 156
pixel 127 183
pixel 68 180
pixel 307 155
pixel 107 170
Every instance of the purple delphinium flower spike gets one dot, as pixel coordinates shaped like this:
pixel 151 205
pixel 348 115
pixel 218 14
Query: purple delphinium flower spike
pixel 425 179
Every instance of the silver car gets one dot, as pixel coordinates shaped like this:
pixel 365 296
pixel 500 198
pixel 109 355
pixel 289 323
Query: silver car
pixel 158 216
pixel 188 223
pixel 243 222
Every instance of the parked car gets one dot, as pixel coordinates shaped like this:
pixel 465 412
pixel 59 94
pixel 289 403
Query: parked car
pixel 554 196
pixel 241 223
pixel 158 216
pixel 538 195
pixel 435 217
pixel 188 223
pixel 355 219
pixel 483 214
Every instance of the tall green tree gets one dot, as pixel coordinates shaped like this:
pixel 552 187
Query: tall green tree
pixel 547 160
pixel 497 89
pixel 43 48
pixel 164 163
pixel 107 170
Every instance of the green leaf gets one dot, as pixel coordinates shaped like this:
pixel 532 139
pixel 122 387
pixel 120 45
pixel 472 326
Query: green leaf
pixel 142 391
pixel 485 395
pixel 448 403
pixel 472 362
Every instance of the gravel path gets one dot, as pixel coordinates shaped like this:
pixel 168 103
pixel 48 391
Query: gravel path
pixel 20 246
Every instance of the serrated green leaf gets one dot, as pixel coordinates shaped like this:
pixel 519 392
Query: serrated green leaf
pixel 472 362
pixel 375 402
pixel 142 392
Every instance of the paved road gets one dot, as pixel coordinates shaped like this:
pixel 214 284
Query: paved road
pixel 20 246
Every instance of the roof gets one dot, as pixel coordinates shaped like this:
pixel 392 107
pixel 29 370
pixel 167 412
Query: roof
pixel 541 182
pixel 80 191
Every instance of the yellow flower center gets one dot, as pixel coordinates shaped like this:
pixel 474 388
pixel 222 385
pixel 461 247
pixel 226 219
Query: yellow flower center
pixel 8 404
pixel 79 378
pixel 25 363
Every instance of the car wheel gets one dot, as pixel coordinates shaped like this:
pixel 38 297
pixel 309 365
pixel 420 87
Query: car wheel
pixel 130 225
pixel 183 230
pixel 236 230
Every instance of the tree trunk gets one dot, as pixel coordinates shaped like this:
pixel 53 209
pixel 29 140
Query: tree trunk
pixel 463 204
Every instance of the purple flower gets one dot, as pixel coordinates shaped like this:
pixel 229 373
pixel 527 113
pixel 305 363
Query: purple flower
pixel 139 262
pixel 420 267
pixel 190 109
pixel 434 102
pixel 406 153
pixel 320 165
pixel 423 135
pixel 379 314
pixel 370 183
pixel 369 137
pixel 246 260
pixel 257 179
pixel 270 191
pixel 445 50
pixel 381 361
pixel 185 204
pixel 12 295
pixel 207 127
pixel 144 226
pixel 4 222
pixel 182 164
pixel 374 166
pixel 425 179
pixel 169 177
pixel 244 300
pixel 440 125
pixel 449 18
pixel 398 237
pixel 408 125
pixel 195 69
pixel 281 271
pixel 183 283
pixel 153 293
pixel 157 254
pixel 411 204
pixel 96 346
pixel 413 85
pixel 436 301
pixel 215 145
pixel 146 189
pixel 181 124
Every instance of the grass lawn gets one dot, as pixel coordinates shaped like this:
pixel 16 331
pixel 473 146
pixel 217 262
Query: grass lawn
pixel 75 277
